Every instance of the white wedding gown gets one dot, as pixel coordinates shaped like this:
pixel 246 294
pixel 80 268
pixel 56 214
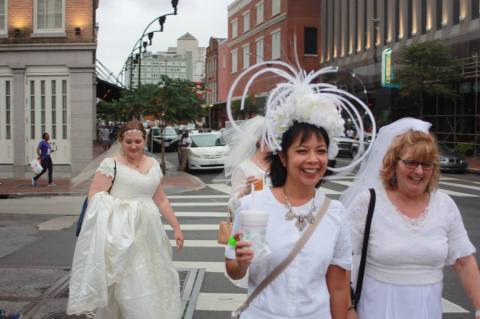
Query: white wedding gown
pixel 122 266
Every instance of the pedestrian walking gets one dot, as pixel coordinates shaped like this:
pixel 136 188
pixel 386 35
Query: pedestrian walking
pixel 122 265
pixel 416 229
pixel 105 137
pixel 183 146
pixel 44 149
pixel 292 275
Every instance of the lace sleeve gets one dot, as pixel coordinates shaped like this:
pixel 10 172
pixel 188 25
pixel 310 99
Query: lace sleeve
pixel 107 167
pixel 357 215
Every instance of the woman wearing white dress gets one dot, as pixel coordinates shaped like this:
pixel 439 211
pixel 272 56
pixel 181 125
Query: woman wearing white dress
pixel 122 266
pixel 416 230
pixel 302 118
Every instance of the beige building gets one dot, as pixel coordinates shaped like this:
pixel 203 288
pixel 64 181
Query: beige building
pixel 47 83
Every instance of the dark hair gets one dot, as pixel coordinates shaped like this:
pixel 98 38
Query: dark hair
pixel 278 172
pixel 132 125
pixel 44 135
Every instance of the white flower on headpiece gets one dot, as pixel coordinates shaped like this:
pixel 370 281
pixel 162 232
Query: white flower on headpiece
pixel 302 100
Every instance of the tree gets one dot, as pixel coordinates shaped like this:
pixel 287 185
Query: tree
pixel 427 68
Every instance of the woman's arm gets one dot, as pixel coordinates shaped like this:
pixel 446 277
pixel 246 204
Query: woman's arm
pixel 339 290
pixel 237 268
pixel 160 198
pixel 100 183
pixel 467 270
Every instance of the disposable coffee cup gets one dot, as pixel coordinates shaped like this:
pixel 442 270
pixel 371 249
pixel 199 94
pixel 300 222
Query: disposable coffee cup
pixel 253 224
pixel 258 184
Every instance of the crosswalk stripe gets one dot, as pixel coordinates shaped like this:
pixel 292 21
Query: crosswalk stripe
pixel 220 301
pixel 461 185
pixel 196 204
pixel 450 307
pixel 449 192
pixel 197 196
pixel 221 188
pixel 199 243
pixel 209 266
pixel 195 227
pixel 201 214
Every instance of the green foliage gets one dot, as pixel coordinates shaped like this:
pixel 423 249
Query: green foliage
pixel 174 100
pixel 465 149
pixel 428 68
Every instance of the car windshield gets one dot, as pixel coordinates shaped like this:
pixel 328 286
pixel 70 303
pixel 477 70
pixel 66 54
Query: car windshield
pixel 170 131
pixel 207 140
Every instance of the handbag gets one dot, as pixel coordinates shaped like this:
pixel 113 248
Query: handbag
pixel 225 229
pixel 280 267
pixel 78 227
pixel 355 293
pixel 36 166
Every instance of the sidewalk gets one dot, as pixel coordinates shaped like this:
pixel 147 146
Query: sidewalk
pixel 174 182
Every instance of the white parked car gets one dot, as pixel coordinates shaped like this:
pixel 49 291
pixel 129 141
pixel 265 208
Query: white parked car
pixel 207 151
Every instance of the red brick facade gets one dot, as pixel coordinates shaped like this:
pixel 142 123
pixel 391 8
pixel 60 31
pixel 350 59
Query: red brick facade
pixel 78 14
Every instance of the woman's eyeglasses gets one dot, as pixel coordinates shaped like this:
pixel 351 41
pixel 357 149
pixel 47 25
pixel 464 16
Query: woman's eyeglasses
pixel 411 164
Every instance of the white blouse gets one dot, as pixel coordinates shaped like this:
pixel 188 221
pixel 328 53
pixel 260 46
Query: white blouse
pixel 300 291
pixel 409 252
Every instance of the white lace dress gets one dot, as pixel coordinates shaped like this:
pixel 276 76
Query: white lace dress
pixel 122 266
pixel 406 257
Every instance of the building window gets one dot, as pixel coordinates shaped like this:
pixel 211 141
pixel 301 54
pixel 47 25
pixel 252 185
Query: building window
pixel 259 9
pixel 3 16
pixel 425 14
pixel 439 12
pixel 49 15
pixel 246 21
pixel 54 108
pixel 456 11
pixel 246 56
pixel 234 60
pixel 8 111
pixel 32 110
pixel 310 39
pixel 259 50
pixel 276 42
pixel 234 28
pixel 475 9
pixel 64 110
pixel 43 128
pixel 275 7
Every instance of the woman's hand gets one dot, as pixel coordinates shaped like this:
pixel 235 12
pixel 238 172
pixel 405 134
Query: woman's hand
pixel 243 252
pixel 179 239
pixel 248 184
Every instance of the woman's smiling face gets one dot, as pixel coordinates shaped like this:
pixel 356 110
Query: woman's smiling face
pixel 306 161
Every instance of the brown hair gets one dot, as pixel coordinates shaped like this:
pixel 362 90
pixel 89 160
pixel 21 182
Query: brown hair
pixel 131 125
pixel 424 148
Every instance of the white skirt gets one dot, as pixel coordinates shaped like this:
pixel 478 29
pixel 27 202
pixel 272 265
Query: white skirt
pixel 386 301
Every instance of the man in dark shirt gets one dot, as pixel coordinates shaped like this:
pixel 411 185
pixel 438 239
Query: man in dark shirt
pixel 44 150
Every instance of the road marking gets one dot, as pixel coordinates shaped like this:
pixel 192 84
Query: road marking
pixel 197 196
pixel 450 307
pixel 219 301
pixel 461 185
pixel 196 204
pixel 201 214
pixel 58 223
pixel 195 227
pixel 449 192
pixel 199 243
pixel 221 188
pixel 209 266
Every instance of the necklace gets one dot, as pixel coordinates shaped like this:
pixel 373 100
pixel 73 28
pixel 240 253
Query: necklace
pixel 301 219
pixel 136 165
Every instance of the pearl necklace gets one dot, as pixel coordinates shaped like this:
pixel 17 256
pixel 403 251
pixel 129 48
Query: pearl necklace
pixel 301 219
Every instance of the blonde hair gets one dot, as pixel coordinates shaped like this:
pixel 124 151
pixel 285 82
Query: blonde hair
pixel 424 148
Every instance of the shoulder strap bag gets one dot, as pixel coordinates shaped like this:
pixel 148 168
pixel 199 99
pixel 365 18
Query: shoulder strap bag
pixel 78 228
pixel 281 267
pixel 366 234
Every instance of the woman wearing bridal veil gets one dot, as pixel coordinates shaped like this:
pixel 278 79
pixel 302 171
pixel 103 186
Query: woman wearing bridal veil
pixel 122 266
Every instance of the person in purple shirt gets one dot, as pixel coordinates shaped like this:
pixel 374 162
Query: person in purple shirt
pixel 44 149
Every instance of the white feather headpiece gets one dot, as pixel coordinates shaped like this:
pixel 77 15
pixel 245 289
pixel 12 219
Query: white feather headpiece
pixel 300 99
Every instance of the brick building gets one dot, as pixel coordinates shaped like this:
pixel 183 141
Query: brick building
pixel 47 82
pixel 261 30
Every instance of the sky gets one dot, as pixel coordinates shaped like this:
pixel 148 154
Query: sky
pixel 121 23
